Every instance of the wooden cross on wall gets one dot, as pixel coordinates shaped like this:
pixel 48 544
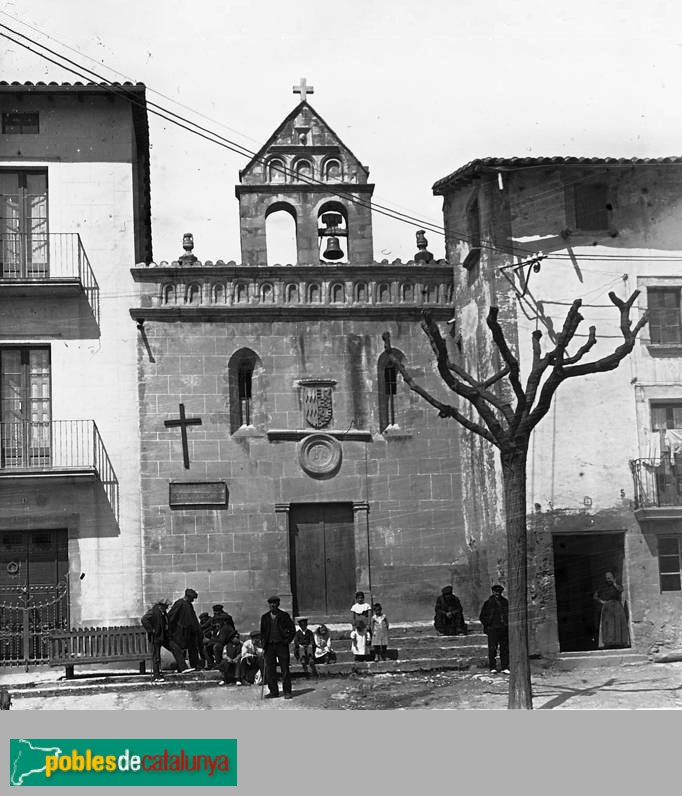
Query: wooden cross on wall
pixel 182 422
pixel 303 88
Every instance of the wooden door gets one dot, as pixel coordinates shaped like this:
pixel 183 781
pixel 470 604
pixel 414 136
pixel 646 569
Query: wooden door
pixel 322 557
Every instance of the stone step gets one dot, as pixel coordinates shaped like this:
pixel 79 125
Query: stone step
pixel 209 679
pixel 344 655
pixel 568 661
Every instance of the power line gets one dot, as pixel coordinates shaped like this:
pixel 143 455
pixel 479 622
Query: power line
pixel 213 137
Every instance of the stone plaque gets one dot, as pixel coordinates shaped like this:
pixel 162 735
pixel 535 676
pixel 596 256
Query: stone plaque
pixel 197 495
pixel 319 455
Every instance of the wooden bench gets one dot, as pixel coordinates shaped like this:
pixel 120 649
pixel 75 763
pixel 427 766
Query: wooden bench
pixel 87 645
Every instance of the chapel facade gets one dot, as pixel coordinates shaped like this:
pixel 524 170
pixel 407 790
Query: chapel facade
pixel 281 451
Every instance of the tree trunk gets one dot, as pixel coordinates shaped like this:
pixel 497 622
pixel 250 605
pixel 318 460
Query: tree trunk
pixel 514 476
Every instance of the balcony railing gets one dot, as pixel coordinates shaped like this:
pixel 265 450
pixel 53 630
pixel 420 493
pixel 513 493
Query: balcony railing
pixel 658 482
pixel 43 257
pixel 61 446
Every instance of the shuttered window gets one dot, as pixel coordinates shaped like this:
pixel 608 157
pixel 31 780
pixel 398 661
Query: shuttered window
pixel 669 563
pixel 664 315
pixel 666 415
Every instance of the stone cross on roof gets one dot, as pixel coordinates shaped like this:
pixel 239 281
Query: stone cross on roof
pixel 303 88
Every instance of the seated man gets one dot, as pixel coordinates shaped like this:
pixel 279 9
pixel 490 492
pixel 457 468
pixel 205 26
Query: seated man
pixel 449 618
pixel 229 665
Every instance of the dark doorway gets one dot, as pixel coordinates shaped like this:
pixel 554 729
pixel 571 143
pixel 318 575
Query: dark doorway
pixel 34 593
pixel 322 537
pixel 580 563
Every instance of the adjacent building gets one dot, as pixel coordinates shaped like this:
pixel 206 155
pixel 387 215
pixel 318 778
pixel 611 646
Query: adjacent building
pixel 604 465
pixel 74 210
pixel 280 450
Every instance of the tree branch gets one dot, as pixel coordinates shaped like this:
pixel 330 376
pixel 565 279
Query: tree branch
pixel 509 359
pixel 472 394
pixel 607 363
pixel 444 410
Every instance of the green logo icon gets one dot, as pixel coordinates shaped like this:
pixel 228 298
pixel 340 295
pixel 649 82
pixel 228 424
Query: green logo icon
pixel 193 762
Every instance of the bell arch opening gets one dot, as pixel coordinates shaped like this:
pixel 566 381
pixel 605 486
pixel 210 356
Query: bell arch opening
pixel 280 234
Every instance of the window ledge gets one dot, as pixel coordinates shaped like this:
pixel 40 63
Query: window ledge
pixel 395 432
pixel 247 431
pixel 664 349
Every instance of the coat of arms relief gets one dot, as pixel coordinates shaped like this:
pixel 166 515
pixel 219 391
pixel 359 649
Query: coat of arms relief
pixel 317 401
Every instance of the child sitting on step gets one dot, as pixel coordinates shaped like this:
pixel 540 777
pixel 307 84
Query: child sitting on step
pixel 359 638
pixel 323 646
pixel 304 644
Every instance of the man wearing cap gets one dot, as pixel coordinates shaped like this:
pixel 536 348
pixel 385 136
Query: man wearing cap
pixel 155 622
pixel 223 630
pixel 185 631
pixel 277 631
pixel 495 620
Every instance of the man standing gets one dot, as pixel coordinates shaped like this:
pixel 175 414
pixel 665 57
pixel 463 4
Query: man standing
pixel 495 617
pixel 155 622
pixel 277 631
pixel 185 631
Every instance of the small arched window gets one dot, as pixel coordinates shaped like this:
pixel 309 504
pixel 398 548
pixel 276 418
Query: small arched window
pixel 193 294
pixel 387 376
pixel 337 293
pixel 169 294
pixel 332 171
pixel 244 374
pixel 292 293
pixel 276 170
pixel 385 293
pixel 266 293
pixel 304 171
pixel 314 293
pixel 407 292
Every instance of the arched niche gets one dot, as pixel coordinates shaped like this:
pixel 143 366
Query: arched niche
pixel 313 293
pixel 168 294
pixel 332 170
pixel 276 170
pixel 193 294
pixel 303 170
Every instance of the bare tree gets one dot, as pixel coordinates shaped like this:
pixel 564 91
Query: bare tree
pixel 506 412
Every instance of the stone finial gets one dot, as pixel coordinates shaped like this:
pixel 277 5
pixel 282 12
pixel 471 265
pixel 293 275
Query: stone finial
pixel 188 258
pixel 423 255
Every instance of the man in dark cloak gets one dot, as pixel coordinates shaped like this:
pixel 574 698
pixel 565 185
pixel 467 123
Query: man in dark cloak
pixel 185 632
pixel 277 632
pixel 155 622
pixel 223 630
pixel 495 620
pixel 449 618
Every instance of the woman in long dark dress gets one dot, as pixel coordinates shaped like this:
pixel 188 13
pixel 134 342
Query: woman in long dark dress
pixel 613 624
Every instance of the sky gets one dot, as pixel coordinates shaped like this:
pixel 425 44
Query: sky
pixel 416 90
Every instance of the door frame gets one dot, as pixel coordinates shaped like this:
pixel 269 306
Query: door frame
pixel 361 529
pixel 587 534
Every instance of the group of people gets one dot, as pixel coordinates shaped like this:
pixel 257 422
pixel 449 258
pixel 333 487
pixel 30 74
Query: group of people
pixel 494 616
pixel 213 642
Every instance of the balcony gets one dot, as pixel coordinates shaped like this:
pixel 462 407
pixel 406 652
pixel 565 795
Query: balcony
pixel 47 287
pixel 658 488
pixel 70 451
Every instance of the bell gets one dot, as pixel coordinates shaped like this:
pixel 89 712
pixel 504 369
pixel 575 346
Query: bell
pixel 333 250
